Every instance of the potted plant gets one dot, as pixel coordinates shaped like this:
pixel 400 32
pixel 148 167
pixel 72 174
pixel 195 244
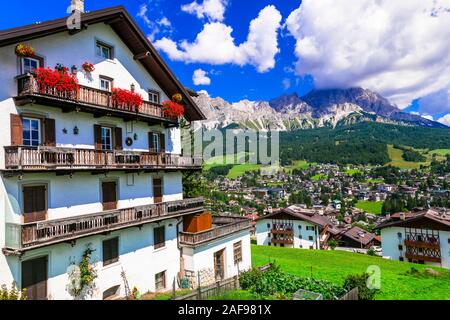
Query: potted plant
pixel 88 67
pixel 172 109
pixel 58 82
pixel 126 99
pixel 61 68
pixel 24 50
pixel 177 97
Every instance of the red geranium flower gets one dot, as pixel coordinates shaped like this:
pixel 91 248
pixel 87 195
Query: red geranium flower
pixel 56 82
pixel 126 99
pixel 172 109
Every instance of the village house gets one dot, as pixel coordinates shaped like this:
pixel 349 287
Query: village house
pixel 294 227
pixel 90 168
pixel 420 237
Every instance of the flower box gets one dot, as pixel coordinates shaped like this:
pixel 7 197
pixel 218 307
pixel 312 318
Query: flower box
pixel 126 99
pixel 88 67
pixel 56 82
pixel 173 109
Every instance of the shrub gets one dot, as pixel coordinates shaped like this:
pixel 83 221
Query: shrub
pixel 13 293
pixel 371 252
pixel 360 281
pixel 274 281
pixel 332 244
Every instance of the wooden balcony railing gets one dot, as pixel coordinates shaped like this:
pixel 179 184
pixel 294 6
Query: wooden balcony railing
pixel 20 237
pixel 423 257
pixel 282 231
pixel 233 225
pixel 55 158
pixel 422 244
pixel 91 97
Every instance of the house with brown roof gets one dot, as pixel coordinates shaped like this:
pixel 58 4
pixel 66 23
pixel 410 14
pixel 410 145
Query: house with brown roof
pixel 421 237
pixel 294 227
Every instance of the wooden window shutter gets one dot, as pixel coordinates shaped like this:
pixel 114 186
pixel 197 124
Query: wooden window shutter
pixel 16 130
pixel 162 142
pixel 97 137
pixel 118 138
pixel 50 135
pixel 151 146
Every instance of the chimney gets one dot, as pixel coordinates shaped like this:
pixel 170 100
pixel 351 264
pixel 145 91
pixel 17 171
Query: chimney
pixel 402 216
pixel 77 5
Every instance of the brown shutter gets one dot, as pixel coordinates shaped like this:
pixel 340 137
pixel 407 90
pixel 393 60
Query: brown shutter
pixel 151 146
pixel 34 204
pixel 16 130
pixel 162 143
pixel 50 135
pixel 118 138
pixel 97 137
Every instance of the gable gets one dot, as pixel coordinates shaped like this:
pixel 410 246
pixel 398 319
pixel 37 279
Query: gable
pixel 117 19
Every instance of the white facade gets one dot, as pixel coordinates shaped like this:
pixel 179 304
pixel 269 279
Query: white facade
pixel 80 193
pixel 305 234
pixel 392 237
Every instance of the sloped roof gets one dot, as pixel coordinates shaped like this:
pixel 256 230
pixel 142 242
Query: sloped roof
pixel 300 214
pixel 425 217
pixel 355 233
pixel 125 27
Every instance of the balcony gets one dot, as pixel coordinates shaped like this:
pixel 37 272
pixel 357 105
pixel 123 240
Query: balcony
pixel 282 241
pixel 422 244
pixel 54 158
pixel 88 99
pixel 22 237
pixel 224 226
pixel 288 232
pixel 423 257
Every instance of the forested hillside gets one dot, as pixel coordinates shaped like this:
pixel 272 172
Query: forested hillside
pixel 363 143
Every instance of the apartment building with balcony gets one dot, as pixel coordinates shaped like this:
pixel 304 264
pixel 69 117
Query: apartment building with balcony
pixel 294 227
pixel 80 171
pixel 419 237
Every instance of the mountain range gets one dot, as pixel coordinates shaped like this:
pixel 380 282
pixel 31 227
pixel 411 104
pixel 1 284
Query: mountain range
pixel 319 108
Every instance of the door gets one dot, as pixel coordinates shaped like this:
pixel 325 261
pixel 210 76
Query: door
pixel 157 190
pixel 34 278
pixel 219 264
pixel 34 203
pixel 109 195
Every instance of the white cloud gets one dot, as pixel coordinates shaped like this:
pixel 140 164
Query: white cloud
pixel 215 44
pixel 286 83
pixel 214 10
pixel 165 22
pixel 397 48
pixel 206 93
pixel 162 25
pixel 426 116
pixel 445 120
pixel 143 9
pixel 199 78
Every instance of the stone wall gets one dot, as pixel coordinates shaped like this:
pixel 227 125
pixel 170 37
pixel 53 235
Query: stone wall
pixel 207 277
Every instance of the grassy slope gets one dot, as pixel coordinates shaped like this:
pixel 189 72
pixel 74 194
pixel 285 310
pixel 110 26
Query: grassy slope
pixel 441 152
pixel 370 206
pixel 397 159
pixel 297 164
pixel 240 169
pixel 336 265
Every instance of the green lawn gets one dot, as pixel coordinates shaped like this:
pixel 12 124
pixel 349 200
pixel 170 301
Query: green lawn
pixel 440 152
pixel 370 206
pixel 298 164
pixel 398 161
pixel 318 177
pixel 351 172
pixel 239 169
pixel 334 266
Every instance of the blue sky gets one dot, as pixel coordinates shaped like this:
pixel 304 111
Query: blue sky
pixel 399 49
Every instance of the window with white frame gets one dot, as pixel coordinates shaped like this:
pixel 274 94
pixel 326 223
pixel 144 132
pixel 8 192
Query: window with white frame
pixel 29 64
pixel 154 96
pixel 105 83
pixel 104 50
pixel 31 129
pixel 155 138
pixel 106 138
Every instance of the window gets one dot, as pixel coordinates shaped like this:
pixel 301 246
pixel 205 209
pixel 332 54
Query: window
pixel 400 258
pixel 155 142
pixel 110 251
pixel 268 226
pixel 309 228
pixel 310 238
pixel 31 131
pixel 270 243
pixel 30 64
pixel 153 96
pixel 299 227
pixel 159 237
pixel 106 83
pixel 106 138
pixel 237 250
pixel 160 281
pixel 311 247
pixel 400 247
pixel 104 51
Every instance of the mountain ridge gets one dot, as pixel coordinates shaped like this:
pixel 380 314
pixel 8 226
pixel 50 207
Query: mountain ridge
pixel 318 108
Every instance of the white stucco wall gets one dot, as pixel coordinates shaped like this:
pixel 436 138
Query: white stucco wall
pixel 262 231
pixel 138 258
pixel 202 257
pixel 390 242
pixel 81 194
